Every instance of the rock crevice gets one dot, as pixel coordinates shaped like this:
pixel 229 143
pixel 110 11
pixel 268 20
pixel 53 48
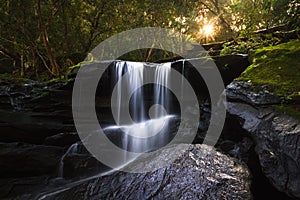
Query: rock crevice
pixel 276 135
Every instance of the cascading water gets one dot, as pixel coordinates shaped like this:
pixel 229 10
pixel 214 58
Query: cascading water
pixel 161 97
pixel 149 94
pixel 150 119
pixel 72 149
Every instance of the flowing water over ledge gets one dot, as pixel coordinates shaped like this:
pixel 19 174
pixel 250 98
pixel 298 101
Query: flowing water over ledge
pixel 145 122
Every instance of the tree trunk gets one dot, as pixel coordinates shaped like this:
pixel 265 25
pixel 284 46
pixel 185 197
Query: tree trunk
pixel 54 69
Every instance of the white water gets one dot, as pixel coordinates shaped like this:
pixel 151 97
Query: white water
pixel 14 102
pixel 141 127
pixel 142 130
pixel 161 97
pixel 72 149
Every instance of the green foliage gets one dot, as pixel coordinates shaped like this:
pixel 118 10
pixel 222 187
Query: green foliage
pixel 256 41
pixel 253 15
pixel 148 55
pixel 241 48
pixel 40 36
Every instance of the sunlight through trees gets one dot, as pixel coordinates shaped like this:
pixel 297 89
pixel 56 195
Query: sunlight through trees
pixel 48 36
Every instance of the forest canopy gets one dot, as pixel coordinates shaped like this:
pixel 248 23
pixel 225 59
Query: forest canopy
pixel 48 36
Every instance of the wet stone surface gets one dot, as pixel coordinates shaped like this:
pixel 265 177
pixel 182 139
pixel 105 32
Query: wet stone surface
pixel 276 136
pixel 200 173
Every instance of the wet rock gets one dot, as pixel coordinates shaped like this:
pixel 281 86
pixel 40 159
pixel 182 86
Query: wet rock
pixel 81 165
pixel 199 173
pixel 62 139
pixel 231 66
pixel 246 92
pixel 19 188
pixel 277 139
pixel 20 159
pixel 31 127
pixel 31 112
pixel 278 149
pixel 78 162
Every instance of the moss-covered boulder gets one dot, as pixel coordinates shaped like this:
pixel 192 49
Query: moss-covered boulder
pixel 278 69
pixel 276 66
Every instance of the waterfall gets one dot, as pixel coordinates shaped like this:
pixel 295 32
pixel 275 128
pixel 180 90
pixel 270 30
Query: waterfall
pixel 148 119
pixel 135 80
pixel 14 102
pixel 162 73
pixel 72 149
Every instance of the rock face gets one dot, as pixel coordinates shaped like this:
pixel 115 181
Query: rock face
pixel 17 159
pixel 62 139
pixel 20 188
pixel 276 135
pixel 200 173
pixel 32 112
pixel 78 162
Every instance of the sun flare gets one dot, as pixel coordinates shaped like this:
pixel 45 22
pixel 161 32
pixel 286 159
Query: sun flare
pixel 208 29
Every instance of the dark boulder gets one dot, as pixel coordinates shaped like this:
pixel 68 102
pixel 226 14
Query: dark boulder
pixel 78 162
pixel 19 188
pixel 231 66
pixel 245 92
pixel 276 136
pixel 200 173
pixel 31 127
pixel 81 165
pixel 31 112
pixel 20 159
pixel 62 139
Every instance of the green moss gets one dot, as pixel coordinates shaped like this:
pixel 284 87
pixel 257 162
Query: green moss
pixel 292 110
pixel 277 67
pixel 74 67
pixel 232 48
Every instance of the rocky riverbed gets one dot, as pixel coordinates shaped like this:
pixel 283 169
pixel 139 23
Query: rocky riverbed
pixel 41 156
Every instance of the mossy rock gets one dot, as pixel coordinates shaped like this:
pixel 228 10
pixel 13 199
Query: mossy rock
pixel 278 68
pixel 290 109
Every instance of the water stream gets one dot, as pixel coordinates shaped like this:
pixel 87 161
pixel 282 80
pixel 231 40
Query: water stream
pixel 72 149
pixel 142 114
pixel 149 106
